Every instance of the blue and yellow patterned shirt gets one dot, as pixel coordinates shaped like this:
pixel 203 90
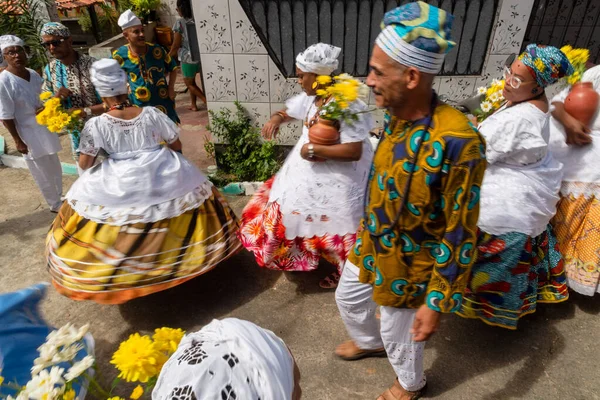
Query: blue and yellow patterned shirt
pixel 427 255
pixel 147 77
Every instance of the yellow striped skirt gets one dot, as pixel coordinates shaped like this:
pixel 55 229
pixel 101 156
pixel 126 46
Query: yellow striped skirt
pixel 113 264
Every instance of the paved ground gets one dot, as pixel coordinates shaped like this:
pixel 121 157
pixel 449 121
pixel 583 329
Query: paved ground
pixel 555 353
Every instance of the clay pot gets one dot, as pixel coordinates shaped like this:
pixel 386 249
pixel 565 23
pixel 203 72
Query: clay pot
pixel 324 132
pixel 582 102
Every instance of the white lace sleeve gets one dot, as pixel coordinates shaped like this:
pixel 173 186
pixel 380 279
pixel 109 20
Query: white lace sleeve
pixel 168 129
pixel 359 130
pixel 89 142
pixel 512 133
pixel 297 106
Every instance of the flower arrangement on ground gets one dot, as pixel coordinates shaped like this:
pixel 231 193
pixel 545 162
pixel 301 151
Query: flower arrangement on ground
pixel 62 372
pixel 56 118
pixel 492 99
pixel 343 90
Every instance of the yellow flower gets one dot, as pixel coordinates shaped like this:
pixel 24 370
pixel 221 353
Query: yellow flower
pixel 115 398
pixel 45 96
pixel 322 93
pixel 167 339
pixel 69 395
pixel 1 380
pixel 138 359
pixel 76 113
pixel 137 393
pixel 142 94
pixel 323 79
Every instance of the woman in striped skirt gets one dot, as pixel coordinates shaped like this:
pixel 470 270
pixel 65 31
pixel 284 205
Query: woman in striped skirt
pixel 143 220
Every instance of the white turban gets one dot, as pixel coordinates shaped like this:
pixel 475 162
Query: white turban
pixel 128 19
pixel 228 359
pixel 108 78
pixel 320 59
pixel 10 41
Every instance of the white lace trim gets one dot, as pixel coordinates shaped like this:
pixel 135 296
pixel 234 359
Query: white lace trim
pixel 577 189
pixel 132 215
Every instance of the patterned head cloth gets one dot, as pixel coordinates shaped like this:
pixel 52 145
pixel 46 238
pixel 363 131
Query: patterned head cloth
pixel 228 359
pixel 320 59
pixel 547 64
pixel 55 29
pixel 128 20
pixel 10 41
pixel 108 78
pixel 417 35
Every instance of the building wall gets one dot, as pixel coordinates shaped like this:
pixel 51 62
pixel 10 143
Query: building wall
pixel 236 66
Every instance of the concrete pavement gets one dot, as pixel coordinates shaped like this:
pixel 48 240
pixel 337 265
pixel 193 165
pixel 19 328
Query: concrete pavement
pixel 554 355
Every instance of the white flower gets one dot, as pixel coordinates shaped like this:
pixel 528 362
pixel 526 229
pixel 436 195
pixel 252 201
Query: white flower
pixel 67 335
pixel 47 352
pixel 363 91
pixel 23 395
pixel 486 106
pixel 344 77
pixel 43 385
pixel 79 368
pixel 495 82
pixel 67 353
pixel 494 97
pixel 481 90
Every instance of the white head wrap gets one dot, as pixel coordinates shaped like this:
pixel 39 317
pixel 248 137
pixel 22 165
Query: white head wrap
pixel 10 41
pixel 108 78
pixel 228 359
pixel 320 59
pixel 128 19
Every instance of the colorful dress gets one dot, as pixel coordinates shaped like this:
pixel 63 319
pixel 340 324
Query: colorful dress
pixel 519 264
pixel 76 78
pixel 143 220
pixel 147 77
pixel 309 210
pixel 420 250
pixel 577 220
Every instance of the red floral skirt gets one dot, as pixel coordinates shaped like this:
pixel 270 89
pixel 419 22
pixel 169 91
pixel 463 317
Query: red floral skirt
pixel 263 233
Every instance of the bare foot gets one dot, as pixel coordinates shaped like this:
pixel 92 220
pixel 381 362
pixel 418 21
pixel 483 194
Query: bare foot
pixel 193 108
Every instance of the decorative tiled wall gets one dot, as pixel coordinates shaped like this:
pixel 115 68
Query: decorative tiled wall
pixel 236 66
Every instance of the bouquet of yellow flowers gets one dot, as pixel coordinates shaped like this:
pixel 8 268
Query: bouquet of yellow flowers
pixel 56 118
pixel 578 58
pixel 343 89
pixel 492 100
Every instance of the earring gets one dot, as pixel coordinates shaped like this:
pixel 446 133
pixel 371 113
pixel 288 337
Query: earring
pixel 534 91
pixel 315 85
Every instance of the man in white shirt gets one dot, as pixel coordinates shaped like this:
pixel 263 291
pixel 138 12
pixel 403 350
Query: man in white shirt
pixel 20 88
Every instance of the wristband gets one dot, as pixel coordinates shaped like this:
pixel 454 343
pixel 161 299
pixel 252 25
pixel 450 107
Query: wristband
pixel 311 151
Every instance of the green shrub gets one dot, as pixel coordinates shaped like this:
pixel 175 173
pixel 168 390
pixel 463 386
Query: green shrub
pixel 246 157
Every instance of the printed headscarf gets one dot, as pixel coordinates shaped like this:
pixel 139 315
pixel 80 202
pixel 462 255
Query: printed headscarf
pixel 108 78
pixel 417 35
pixel 55 29
pixel 10 41
pixel 320 59
pixel 547 64
pixel 228 359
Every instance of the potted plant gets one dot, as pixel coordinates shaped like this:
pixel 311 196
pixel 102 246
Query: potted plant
pixel 146 9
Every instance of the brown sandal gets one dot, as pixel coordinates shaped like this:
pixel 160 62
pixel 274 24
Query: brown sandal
pixel 330 281
pixel 397 392
pixel 349 351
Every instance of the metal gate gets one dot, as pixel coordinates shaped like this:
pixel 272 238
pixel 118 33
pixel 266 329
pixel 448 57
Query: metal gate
pixel 286 27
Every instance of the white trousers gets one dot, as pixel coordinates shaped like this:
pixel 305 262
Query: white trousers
pixel 357 308
pixel 47 174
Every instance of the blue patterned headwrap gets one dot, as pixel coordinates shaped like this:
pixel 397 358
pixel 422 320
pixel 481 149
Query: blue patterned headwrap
pixel 55 29
pixel 417 35
pixel 547 64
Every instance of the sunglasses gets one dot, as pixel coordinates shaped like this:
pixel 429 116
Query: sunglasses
pixel 53 43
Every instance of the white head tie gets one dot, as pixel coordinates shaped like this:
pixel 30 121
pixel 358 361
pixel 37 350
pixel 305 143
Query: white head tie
pixel 128 19
pixel 10 41
pixel 108 78
pixel 228 359
pixel 320 59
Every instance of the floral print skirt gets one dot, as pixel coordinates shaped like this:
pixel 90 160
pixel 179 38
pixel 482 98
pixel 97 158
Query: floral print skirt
pixel 263 233
pixel 512 274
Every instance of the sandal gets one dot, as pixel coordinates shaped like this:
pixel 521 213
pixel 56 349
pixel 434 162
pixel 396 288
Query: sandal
pixel 397 392
pixel 331 281
pixel 349 351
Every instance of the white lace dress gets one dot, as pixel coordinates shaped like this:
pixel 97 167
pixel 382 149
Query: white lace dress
pixel 310 209
pixel 521 183
pixel 143 220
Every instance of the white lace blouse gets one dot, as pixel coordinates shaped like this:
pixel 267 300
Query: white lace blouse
pixel 318 198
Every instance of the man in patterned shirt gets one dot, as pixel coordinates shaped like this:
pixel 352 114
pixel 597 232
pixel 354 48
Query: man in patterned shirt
pixel 68 75
pixel 417 240
pixel 147 66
